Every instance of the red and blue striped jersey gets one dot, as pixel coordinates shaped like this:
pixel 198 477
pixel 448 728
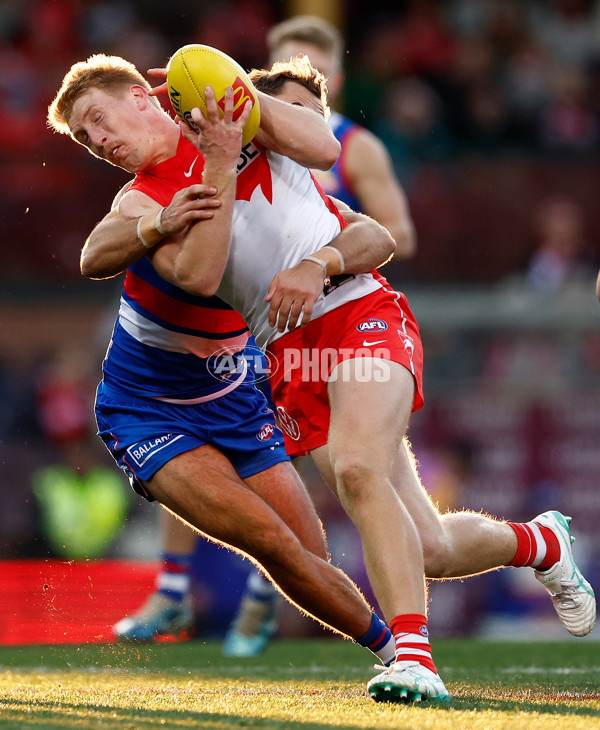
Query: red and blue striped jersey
pixel 164 338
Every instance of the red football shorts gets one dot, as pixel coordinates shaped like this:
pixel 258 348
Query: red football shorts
pixel 379 325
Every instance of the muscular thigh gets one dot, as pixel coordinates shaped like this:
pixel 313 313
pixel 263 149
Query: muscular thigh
pixel 368 419
pixel 282 488
pixel 369 416
pixel 407 485
pixel 202 487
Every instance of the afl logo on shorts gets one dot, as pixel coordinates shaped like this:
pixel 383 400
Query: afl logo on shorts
pixel 372 325
pixel 288 424
pixel 265 432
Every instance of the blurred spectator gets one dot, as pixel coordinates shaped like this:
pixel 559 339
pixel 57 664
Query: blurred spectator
pixel 370 68
pixel 507 28
pixel 19 98
pixel 568 122
pixel 120 28
pixel 412 127
pixel 106 21
pixel 470 18
pixel 237 28
pixel 526 82
pixel 82 502
pixel 568 29
pixel 425 45
pixel 473 64
pixel 65 397
pixel 562 250
pixel 487 123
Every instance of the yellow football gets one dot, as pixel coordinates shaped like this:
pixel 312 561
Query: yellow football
pixel 193 67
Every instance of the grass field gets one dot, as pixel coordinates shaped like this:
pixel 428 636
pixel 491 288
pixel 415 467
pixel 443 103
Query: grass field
pixel 295 684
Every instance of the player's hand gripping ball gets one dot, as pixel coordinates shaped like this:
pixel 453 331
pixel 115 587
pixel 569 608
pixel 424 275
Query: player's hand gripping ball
pixel 195 66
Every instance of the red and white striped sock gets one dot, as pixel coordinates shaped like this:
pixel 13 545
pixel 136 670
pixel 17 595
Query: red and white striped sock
pixel 412 639
pixel 537 546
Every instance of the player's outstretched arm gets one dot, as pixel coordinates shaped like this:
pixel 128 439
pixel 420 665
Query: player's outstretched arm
pixel 297 132
pixel 369 167
pixel 293 120
pixel 197 260
pixel 598 286
pixel 200 262
pixel 364 243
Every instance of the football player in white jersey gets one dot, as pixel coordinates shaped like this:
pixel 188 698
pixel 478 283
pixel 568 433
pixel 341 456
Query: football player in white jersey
pixel 363 178
pixel 351 424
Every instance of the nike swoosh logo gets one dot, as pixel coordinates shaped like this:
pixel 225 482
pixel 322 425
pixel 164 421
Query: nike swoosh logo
pixel 377 342
pixel 189 172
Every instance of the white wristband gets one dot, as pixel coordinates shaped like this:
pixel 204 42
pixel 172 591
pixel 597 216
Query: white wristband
pixel 139 233
pixel 315 260
pixel 158 223
pixel 340 256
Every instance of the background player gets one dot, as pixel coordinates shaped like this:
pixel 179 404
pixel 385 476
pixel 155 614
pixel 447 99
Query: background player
pixel 363 175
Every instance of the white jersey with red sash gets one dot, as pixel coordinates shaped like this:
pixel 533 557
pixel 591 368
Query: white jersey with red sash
pixel 281 215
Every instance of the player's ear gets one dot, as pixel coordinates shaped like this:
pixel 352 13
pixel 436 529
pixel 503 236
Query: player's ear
pixel 140 96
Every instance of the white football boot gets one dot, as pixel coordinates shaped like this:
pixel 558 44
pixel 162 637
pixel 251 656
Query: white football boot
pixel 159 616
pixel 253 627
pixel 407 682
pixel 571 594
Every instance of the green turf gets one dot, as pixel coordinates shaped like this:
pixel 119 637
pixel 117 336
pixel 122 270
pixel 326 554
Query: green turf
pixel 300 685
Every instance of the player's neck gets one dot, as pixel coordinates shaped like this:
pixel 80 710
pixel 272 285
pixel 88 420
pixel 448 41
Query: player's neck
pixel 163 143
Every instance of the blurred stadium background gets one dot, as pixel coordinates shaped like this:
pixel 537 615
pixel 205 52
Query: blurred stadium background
pixel 491 112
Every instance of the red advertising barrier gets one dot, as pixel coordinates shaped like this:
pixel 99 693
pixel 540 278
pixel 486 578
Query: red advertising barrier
pixel 58 602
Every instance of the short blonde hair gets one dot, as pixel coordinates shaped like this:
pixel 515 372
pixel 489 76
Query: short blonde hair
pixel 110 73
pixel 307 29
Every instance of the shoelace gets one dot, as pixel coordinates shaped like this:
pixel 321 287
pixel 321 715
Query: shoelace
pixel 381 668
pixel 567 598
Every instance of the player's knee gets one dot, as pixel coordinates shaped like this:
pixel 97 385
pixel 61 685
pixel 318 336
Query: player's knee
pixel 355 476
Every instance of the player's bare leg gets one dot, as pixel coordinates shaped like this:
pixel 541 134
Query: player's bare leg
pixel 282 489
pixel 175 535
pixel 169 610
pixel 368 421
pixel 455 544
pixel 459 544
pixel 255 620
pixel 202 488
